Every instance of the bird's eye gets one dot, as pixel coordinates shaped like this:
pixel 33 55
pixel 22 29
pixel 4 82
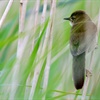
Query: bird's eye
pixel 73 17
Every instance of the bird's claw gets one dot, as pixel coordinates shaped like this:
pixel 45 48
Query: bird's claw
pixel 88 73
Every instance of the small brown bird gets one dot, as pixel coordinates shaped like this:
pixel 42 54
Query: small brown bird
pixel 83 39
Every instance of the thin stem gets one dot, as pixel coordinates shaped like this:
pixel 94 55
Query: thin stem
pixel 5 12
pixel 35 20
pixel 21 42
pixel 48 63
pixel 44 12
pixel 20 49
pixel 91 63
pixel 88 78
pixel 39 54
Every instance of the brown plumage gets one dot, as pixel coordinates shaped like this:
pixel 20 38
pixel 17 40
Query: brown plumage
pixel 82 39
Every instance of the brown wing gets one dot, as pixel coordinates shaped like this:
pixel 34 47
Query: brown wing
pixel 83 36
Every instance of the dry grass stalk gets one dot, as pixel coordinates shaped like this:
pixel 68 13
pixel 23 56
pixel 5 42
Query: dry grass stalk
pixel 86 84
pixel 49 35
pixel 36 14
pixel 5 12
pixel 91 64
pixel 38 68
pixel 20 49
pixel 35 24
pixel 36 10
pixel 44 12
pixel 35 19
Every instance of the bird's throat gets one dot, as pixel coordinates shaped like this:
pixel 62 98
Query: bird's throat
pixel 71 23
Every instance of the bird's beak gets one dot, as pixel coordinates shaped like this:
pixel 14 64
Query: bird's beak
pixel 67 18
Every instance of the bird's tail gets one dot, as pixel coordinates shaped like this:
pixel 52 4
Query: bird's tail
pixel 79 70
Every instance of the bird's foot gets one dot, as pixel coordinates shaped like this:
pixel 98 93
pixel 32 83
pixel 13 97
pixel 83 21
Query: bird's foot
pixel 96 47
pixel 88 73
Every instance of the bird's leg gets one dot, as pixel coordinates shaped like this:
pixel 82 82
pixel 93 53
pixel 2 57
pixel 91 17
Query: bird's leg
pixel 88 73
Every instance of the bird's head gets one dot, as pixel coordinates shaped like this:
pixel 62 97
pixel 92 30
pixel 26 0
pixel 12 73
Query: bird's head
pixel 78 17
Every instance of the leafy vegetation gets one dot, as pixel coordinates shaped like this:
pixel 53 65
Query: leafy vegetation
pixel 60 84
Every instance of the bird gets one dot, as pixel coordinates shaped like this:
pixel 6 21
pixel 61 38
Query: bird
pixel 83 39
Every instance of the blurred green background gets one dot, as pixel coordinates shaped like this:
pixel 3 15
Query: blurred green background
pixel 60 83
